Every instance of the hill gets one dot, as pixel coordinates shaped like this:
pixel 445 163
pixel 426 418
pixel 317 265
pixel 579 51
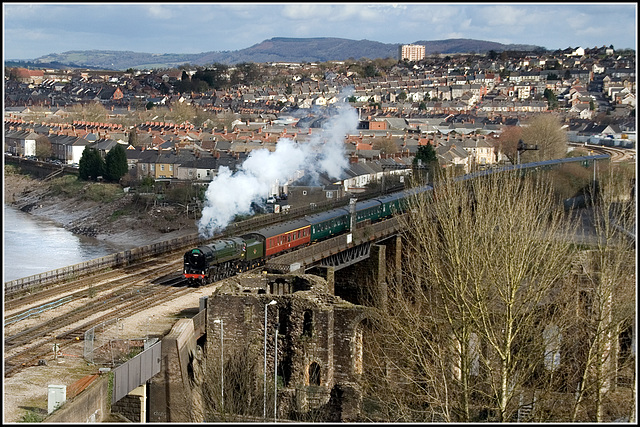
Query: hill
pixel 277 49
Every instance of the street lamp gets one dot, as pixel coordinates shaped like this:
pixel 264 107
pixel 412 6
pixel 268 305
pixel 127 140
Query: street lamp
pixel 264 406
pixel 221 362
pixel 275 378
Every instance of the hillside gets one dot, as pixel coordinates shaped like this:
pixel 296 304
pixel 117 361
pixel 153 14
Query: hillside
pixel 277 49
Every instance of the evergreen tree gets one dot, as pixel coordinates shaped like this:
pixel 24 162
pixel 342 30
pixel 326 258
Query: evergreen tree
pixel 551 99
pixel 91 164
pixel 425 155
pixel 116 164
pixel 133 137
pixel 425 162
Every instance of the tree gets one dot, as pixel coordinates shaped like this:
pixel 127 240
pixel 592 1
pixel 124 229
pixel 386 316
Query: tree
pixel 43 147
pixel 545 132
pixel 94 112
pixel 370 70
pixel 245 73
pixel 116 163
pixel 551 98
pixel 425 155
pixel 91 164
pixel 461 335
pixel 607 293
pixel 215 75
pixel 385 145
pixel 425 163
pixel 182 112
pixel 133 137
pixel 508 142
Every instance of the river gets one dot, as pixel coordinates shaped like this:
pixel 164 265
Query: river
pixel 33 245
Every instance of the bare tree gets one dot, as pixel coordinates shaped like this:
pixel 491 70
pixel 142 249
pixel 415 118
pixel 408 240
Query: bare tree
pixel 508 142
pixel 243 386
pixel 385 145
pixel 43 147
pixel 461 335
pixel 544 131
pixel 607 296
pixel 94 112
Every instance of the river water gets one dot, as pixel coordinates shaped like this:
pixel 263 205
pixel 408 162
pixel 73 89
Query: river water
pixel 33 245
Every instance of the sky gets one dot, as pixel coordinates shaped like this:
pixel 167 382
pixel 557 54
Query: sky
pixel 32 30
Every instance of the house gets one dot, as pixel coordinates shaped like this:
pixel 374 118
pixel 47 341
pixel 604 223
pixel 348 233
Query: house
pixel 583 111
pixel 110 94
pixel 480 150
pixel 20 142
pixel 68 148
pixel 24 75
pixel 452 155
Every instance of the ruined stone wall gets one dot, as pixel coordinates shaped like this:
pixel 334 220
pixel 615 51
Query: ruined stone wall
pixel 315 341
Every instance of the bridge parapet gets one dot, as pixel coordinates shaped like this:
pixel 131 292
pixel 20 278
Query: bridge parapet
pixel 313 254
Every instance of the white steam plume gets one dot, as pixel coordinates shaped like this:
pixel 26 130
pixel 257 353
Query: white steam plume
pixel 231 194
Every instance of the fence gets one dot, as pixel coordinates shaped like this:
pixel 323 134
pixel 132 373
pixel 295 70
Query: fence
pixel 136 371
pixel 103 345
pixel 119 259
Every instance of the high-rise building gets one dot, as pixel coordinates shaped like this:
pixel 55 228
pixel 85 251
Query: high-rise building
pixel 411 52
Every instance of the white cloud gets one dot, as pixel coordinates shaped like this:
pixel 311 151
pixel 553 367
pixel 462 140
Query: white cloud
pixel 507 16
pixel 159 12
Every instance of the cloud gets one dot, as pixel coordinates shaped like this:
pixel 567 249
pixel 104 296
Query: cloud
pixel 157 11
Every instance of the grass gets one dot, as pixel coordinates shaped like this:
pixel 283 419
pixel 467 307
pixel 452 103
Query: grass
pixel 68 186
pixel 31 416
pixel 99 192
pixel 119 213
pixel 71 186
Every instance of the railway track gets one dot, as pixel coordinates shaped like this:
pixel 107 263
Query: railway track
pixel 617 154
pixel 118 296
pixel 93 284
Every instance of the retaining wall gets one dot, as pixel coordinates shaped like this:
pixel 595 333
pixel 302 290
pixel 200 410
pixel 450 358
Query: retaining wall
pixel 92 405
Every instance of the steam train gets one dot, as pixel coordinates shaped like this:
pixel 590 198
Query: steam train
pixel 223 258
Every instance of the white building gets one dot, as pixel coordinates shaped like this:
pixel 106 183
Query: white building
pixel 20 143
pixel 412 52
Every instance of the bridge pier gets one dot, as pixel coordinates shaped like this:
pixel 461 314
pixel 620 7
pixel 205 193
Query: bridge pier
pixel 394 258
pixel 328 274
pixel 364 283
